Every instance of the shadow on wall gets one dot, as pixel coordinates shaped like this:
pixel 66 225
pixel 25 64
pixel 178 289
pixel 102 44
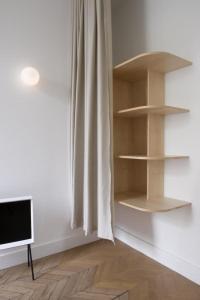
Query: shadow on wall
pixel 134 29
pixel 138 223
pixel 130 38
pixel 141 225
pixel 54 89
pixel 132 14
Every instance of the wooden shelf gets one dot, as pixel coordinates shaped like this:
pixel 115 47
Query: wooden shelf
pixel 150 109
pixel 140 202
pixel 143 157
pixel 139 90
pixel 161 62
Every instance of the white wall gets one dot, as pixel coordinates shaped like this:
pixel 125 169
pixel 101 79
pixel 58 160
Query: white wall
pixel 33 121
pixel 172 238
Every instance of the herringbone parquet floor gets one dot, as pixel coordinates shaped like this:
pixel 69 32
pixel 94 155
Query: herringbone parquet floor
pixel 98 271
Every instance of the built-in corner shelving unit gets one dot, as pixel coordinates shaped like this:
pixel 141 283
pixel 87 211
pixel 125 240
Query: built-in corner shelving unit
pixel 139 111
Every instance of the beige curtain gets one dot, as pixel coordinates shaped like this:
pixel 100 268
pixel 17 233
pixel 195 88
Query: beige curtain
pixel 91 117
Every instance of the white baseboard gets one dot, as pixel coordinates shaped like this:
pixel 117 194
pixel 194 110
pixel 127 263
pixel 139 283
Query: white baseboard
pixel 19 256
pixel 165 258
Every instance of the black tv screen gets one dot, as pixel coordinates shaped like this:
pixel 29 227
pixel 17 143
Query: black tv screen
pixel 15 221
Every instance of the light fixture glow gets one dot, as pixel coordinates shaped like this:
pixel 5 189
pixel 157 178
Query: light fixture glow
pixel 30 76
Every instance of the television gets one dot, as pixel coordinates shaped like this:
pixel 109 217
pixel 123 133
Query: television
pixel 16 222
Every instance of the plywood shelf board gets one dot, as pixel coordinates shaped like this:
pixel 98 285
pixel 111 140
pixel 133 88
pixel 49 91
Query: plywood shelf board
pixel 140 202
pixel 150 109
pixel 162 62
pixel 142 157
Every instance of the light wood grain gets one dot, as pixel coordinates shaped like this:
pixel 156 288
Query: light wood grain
pixel 129 94
pixel 139 91
pixel 158 157
pixel 155 137
pixel 157 204
pixel 150 109
pixel 161 62
pixel 93 271
pixel 155 179
pixel 130 136
pixel 155 88
pixel 130 175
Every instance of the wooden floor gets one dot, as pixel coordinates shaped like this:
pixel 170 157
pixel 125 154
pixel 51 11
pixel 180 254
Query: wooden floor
pixel 97 271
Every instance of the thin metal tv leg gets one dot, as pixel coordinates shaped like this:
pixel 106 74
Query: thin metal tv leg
pixel 30 261
pixel 28 256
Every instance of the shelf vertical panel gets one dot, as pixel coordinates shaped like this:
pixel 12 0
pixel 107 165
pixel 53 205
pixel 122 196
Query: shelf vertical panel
pixel 155 88
pixel 155 135
pixel 155 179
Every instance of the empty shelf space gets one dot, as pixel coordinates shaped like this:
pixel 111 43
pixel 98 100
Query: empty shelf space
pixel 151 109
pixel 142 157
pixel 139 202
pixel 161 62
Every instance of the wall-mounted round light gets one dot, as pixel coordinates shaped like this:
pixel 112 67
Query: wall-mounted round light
pixel 30 76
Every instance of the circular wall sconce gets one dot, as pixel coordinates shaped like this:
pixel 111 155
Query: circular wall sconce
pixel 30 76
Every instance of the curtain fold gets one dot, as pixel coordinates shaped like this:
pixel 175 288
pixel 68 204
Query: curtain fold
pixel 91 117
